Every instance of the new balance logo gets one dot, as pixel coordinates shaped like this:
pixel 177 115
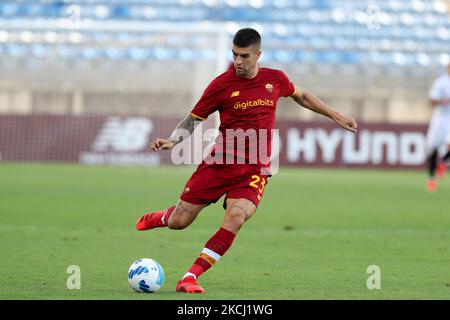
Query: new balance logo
pixel 131 134
pixel 235 94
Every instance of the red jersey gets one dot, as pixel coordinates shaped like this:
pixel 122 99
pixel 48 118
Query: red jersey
pixel 246 104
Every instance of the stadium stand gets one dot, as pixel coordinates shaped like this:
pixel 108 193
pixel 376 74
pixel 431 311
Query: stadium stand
pixel 376 58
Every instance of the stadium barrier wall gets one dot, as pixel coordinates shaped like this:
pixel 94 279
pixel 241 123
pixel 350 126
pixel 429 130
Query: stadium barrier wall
pixel 111 140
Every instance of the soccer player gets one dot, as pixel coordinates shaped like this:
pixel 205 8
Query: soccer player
pixel 246 97
pixel 439 129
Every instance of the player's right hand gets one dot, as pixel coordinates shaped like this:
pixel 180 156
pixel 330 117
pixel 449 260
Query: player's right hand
pixel 161 144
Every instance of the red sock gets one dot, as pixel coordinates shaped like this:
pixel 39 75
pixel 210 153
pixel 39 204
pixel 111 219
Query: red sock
pixel 165 217
pixel 214 249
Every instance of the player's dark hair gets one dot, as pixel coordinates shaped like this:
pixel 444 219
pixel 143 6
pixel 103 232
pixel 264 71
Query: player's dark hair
pixel 246 37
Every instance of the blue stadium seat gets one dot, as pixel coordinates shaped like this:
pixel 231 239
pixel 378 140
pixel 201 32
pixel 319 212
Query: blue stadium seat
pixel 316 31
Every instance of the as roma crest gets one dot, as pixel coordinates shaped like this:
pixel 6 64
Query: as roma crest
pixel 269 87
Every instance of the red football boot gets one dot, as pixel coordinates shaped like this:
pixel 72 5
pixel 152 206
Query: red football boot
pixel 189 285
pixel 431 185
pixel 154 219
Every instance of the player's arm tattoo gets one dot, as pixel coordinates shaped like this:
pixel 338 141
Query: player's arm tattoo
pixel 184 129
pixel 299 98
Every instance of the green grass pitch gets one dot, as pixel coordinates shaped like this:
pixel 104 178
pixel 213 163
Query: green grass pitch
pixel 313 237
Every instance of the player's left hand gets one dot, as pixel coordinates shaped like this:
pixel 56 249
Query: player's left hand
pixel 347 123
pixel 161 144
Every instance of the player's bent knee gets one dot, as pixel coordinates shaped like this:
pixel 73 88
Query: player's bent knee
pixel 236 217
pixel 183 215
pixel 177 224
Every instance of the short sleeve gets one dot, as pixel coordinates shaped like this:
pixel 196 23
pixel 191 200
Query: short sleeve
pixel 436 92
pixel 209 102
pixel 287 88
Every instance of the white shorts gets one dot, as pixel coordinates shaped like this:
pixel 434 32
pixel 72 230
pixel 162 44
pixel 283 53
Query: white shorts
pixel 439 131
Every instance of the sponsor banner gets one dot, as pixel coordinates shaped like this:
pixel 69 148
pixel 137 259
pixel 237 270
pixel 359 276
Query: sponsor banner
pixel 375 145
pixel 109 140
pixel 92 140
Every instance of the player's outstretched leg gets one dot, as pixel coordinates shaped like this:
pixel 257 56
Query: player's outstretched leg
pixel 440 170
pixel 214 249
pixel 442 166
pixel 175 217
pixel 238 211
pixel 432 164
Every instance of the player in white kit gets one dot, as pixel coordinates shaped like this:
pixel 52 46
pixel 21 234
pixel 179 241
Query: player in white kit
pixel 438 134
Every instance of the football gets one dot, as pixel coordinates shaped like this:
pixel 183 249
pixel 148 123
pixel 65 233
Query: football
pixel 146 275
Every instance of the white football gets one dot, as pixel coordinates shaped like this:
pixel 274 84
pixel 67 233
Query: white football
pixel 146 275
